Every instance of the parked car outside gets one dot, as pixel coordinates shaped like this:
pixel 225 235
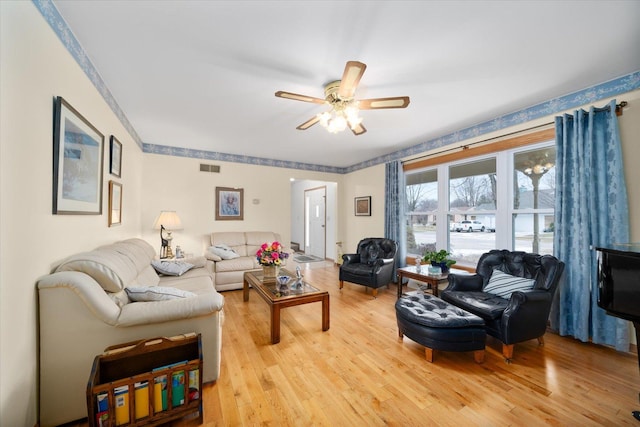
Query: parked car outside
pixel 468 226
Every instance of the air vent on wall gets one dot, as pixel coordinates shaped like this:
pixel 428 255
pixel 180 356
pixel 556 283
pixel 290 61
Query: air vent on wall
pixel 209 168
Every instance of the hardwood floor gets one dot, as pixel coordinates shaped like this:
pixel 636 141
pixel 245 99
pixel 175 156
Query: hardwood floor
pixel 359 373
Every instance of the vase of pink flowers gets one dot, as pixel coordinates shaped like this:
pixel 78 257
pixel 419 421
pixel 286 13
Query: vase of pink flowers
pixel 271 256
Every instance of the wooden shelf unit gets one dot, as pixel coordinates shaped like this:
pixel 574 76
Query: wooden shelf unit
pixel 125 366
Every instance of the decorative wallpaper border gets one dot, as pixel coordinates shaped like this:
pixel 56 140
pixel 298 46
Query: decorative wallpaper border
pixel 608 89
pixel 51 14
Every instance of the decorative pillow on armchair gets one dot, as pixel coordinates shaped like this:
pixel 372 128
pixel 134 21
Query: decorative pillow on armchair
pixel 503 284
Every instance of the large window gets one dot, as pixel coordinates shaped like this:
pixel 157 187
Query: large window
pixel 534 175
pixel 422 208
pixel 502 199
pixel 472 205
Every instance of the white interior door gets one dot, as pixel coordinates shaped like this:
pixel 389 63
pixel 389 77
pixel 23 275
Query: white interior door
pixel 315 218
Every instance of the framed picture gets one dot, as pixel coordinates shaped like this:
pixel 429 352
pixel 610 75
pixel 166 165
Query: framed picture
pixel 115 203
pixel 363 206
pixel 115 150
pixel 229 203
pixel 78 149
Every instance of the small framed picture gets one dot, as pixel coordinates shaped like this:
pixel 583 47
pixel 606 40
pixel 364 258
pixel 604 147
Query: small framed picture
pixel 115 203
pixel 115 148
pixel 229 203
pixel 363 206
pixel 77 163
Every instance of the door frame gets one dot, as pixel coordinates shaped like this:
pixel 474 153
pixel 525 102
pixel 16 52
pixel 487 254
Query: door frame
pixel 324 231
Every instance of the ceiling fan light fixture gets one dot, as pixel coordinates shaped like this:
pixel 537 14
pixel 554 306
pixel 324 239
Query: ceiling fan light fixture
pixel 342 114
pixel 339 95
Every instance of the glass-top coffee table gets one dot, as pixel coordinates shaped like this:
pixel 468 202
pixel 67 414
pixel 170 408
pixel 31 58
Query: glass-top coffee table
pixel 281 296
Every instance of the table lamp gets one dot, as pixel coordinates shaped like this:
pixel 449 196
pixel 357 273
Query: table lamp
pixel 167 222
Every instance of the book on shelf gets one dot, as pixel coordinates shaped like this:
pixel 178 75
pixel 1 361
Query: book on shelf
pixel 121 395
pixel 141 399
pixel 102 409
pixel 160 398
pixel 177 388
pixel 194 384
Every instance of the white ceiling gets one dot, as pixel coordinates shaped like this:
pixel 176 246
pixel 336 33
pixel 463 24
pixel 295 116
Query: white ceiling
pixel 202 74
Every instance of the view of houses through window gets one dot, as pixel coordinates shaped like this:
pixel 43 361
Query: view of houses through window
pixel 504 200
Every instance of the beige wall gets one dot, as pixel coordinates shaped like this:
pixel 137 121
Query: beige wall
pixel 35 68
pixel 351 228
pixel 176 183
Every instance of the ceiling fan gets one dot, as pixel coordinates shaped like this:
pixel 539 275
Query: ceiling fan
pixel 339 95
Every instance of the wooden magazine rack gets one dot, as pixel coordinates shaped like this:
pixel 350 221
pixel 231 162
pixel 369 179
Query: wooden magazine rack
pixel 146 382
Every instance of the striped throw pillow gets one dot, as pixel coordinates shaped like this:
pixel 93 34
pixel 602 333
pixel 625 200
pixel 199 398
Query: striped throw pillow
pixel 503 284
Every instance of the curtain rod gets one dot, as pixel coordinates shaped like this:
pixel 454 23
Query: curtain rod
pixel 619 108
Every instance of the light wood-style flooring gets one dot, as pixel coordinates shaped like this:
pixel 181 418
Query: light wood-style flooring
pixel 358 373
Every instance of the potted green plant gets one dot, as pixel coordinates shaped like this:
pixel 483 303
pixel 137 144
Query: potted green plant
pixel 439 259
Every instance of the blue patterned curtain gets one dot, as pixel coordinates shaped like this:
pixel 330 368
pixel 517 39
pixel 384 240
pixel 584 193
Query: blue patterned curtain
pixel 394 220
pixel 591 210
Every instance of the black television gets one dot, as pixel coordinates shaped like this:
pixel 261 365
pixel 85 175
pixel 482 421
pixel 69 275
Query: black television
pixel 619 280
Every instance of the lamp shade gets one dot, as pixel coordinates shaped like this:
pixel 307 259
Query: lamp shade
pixel 169 219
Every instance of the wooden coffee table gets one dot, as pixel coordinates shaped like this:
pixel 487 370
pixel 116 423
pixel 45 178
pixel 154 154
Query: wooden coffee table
pixel 433 280
pixel 279 297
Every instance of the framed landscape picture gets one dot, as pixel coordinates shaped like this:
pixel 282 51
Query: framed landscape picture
pixel 115 158
pixel 78 149
pixel 363 206
pixel 229 203
pixel 115 203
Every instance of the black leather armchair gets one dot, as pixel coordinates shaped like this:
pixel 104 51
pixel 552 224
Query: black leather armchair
pixel 372 265
pixel 524 315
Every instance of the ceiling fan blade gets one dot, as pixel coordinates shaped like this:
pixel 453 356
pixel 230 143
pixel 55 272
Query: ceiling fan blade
pixel 297 97
pixel 378 103
pixel 306 125
pixel 353 72
pixel 359 130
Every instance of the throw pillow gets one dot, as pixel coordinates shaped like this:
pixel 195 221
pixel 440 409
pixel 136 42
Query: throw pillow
pixel 171 268
pixel 223 251
pixel 503 284
pixel 155 293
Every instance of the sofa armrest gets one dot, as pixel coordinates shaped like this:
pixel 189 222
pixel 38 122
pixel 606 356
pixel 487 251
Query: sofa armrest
pixel 144 313
pixel 87 290
pixel 464 282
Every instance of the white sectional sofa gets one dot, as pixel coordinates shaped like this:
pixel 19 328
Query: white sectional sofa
pixel 228 273
pixel 84 308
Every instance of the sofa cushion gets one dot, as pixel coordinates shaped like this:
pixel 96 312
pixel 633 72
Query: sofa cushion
pixel 234 239
pixel 171 268
pixel 503 284
pixel 255 239
pixel 237 264
pixel 223 251
pixel 112 270
pixel 156 293
pixel 116 265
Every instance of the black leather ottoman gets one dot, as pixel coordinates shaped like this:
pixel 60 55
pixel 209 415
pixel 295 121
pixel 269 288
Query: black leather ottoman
pixel 438 325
